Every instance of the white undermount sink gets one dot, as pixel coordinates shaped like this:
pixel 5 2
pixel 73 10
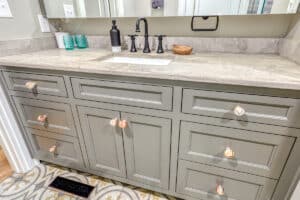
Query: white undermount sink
pixel 138 61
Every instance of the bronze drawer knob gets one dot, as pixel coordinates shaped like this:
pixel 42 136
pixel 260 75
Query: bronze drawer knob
pixel 239 111
pixel 31 85
pixel 123 124
pixel 228 153
pixel 113 122
pixel 42 118
pixel 220 190
pixel 53 149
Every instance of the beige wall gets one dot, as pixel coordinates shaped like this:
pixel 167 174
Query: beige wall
pixel 230 26
pixel 24 23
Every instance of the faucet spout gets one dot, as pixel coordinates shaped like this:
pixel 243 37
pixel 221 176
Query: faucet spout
pixel 146 46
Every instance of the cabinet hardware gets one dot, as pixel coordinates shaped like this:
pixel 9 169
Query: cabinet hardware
pixel 228 153
pixel 53 149
pixel 31 85
pixel 123 124
pixel 239 111
pixel 220 190
pixel 113 122
pixel 42 118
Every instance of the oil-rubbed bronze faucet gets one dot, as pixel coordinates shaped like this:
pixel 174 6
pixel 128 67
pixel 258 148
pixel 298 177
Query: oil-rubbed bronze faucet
pixel 146 46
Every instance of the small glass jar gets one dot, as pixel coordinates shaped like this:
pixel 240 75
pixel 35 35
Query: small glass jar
pixel 81 41
pixel 69 42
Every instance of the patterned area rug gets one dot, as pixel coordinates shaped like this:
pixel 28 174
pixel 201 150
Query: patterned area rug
pixel 33 185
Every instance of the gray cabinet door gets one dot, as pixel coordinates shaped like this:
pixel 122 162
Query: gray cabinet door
pixel 104 142
pixel 67 149
pixel 255 153
pixel 207 182
pixel 262 109
pixel 59 115
pixel 45 84
pixel 148 96
pixel 147 149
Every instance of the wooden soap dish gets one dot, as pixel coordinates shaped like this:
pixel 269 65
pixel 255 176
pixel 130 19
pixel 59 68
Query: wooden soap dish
pixel 182 49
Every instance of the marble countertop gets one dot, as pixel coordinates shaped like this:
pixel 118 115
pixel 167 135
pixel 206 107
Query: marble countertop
pixel 270 71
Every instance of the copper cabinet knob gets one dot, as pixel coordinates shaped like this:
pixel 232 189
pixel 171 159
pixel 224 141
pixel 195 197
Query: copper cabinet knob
pixel 228 153
pixel 113 122
pixel 123 124
pixel 30 85
pixel 53 149
pixel 42 118
pixel 239 111
pixel 220 190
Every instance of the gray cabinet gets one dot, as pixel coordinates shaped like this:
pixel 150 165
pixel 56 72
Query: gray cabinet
pixel 147 143
pixel 159 134
pixel 146 147
pixel 104 142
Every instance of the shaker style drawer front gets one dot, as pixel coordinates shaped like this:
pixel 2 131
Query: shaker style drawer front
pixel 207 182
pixel 148 96
pixel 243 107
pixel 61 149
pixel 246 151
pixel 36 83
pixel 45 115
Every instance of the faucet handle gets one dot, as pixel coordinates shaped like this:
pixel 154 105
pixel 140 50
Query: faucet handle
pixel 133 47
pixel 160 48
pixel 132 36
pixel 160 36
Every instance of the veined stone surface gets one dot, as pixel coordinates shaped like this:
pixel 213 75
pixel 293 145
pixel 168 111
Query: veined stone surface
pixel 11 47
pixel 256 70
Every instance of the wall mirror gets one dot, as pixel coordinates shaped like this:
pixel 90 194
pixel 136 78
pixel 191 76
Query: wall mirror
pixel 76 8
pixel 160 8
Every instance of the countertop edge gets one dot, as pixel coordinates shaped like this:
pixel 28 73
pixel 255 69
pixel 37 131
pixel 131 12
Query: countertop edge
pixel 258 84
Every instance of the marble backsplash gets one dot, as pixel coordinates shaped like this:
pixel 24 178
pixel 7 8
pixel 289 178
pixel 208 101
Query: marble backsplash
pixel 11 47
pixel 290 45
pixel 199 44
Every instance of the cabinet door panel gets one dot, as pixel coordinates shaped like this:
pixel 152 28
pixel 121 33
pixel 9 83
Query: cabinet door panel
pixel 202 181
pixel 147 149
pixel 254 152
pixel 59 115
pixel 67 149
pixel 45 84
pixel 104 142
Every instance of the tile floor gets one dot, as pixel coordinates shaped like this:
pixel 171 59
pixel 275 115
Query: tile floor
pixel 33 186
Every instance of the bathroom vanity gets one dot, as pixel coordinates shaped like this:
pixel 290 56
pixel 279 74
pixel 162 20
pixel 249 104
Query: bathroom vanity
pixel 205 126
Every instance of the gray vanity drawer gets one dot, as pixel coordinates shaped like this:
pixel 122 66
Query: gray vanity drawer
pixel 67 151
pixel 201 182
pixel 59 115
pixel 262 109
pixel 148 96
pixel 45 84
pixel 255 153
